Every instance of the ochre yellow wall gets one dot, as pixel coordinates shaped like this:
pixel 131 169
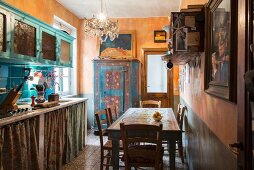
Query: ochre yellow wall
pixel 184 3
pixel 144 28
pixel 45 10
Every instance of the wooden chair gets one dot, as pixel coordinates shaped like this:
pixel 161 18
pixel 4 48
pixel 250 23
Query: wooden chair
pixel 150 103
pixel 112 114
pixel 179 118
pixel 149 151
pixel 102 119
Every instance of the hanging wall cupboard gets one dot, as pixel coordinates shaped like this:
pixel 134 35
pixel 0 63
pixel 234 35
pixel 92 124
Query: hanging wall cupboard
pixel 27 40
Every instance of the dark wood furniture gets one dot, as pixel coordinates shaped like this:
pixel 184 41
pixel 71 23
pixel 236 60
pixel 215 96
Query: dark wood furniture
pixel 188 36
pixel 102 119
pixel 170 131
pixel 148 153
pixel 150 103
pixel 112 114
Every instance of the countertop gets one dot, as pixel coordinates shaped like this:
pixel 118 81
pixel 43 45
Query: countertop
pixel 65 102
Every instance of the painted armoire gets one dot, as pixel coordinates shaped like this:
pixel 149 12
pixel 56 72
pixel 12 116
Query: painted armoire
pixel 116 83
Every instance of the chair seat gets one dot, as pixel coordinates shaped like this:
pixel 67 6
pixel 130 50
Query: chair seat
pixel 108 145
pixel 138 159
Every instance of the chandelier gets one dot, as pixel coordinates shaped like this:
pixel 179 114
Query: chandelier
pixel 101 26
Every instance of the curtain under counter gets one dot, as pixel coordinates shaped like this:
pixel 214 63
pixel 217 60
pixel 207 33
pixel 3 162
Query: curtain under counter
pixel 60 135
pixel 19 145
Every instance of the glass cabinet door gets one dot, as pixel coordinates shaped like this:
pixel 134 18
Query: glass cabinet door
pixel 65 52
pixel 4 33
pixel 48 47
pixel 25 39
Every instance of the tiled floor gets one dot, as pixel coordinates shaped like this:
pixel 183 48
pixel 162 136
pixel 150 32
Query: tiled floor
pixel 89 158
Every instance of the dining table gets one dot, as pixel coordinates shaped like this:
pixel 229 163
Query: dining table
pixel 170 130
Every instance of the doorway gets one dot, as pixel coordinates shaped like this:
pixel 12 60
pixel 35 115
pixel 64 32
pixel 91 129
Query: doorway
pixel 156 79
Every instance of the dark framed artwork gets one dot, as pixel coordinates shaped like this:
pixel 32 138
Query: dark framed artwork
pixel 221 45
pixel 122 47
pixel 160 36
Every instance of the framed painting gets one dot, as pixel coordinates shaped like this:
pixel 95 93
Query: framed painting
pixel 221 54
pixel 160 36
pixel 123 47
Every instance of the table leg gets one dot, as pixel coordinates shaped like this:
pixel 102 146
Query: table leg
pixel 171 150
pixel 115 154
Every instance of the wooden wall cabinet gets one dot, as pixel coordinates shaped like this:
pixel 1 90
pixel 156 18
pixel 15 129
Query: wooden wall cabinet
pixel 187 35
pixel 116 82
pixel 25 39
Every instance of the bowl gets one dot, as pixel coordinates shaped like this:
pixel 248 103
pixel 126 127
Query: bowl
pixel 157 118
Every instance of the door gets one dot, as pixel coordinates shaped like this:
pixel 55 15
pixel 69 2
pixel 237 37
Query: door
pixel 25 39
pixel 244 145
pixel 156 79
pixel 112 87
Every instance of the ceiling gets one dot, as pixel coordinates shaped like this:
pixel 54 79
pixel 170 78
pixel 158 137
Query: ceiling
pixel 122 8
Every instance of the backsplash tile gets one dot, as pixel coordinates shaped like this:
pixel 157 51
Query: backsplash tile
pixel 3 82
pixel 17 72
pixel 4 71
pixel 11 76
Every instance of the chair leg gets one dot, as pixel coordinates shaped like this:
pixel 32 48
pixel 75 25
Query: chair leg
pixel 108 160
pixel 102 156
pixel 180 147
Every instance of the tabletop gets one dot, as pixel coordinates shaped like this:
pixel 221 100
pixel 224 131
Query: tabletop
pixel 145 116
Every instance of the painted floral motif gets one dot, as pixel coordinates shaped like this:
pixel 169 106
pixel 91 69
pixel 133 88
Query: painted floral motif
pixel 112 80
pixel 113 100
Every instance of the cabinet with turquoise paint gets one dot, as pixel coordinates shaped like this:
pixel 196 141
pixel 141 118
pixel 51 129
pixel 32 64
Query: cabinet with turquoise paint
pixel 25 39
pixel 116 83
pixel 5 37
pixel 65 51
pixel 48 48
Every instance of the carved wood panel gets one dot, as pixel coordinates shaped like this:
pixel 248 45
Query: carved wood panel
pixel 24 39
pixel 65 51
pixel 48 46
pixel 2 32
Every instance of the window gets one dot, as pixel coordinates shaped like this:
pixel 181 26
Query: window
pixel 67 77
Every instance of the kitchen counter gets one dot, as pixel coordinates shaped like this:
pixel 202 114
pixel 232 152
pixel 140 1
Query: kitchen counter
pixel 45 138
pixel 63 103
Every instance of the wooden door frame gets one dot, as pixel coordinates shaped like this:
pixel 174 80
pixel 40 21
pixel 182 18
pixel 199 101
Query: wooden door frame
pixel 244 64
pixel 170 84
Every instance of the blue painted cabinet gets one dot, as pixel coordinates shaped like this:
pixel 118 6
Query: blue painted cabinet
pixel 116 82
pixel 27 40
pixel 24 39
pixel 48 46
pixel 5 35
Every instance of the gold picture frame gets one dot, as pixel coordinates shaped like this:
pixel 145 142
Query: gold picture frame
pixel 123 47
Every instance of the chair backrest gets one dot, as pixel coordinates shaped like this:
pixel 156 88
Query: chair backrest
pixel 148 136
pixel 178 108
pixel 150 103
pixel 112 114
pixel 180 116
pixel 101 120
